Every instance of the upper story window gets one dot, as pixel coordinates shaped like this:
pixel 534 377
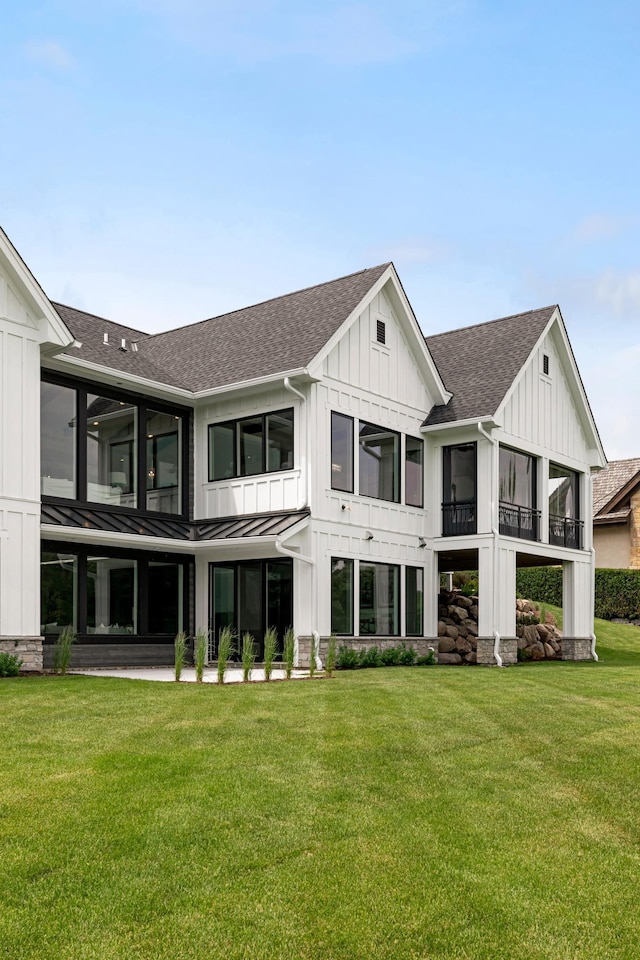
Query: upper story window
pixel 341 452
pixel 459 480
pixel 91 449
pixel 413 472
pixel 252 445
pixel 517 492
pixel 565 525
pixel 379 462
pixel 379 457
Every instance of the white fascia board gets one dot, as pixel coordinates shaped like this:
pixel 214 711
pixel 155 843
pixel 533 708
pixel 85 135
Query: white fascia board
pixel 248 386
pixel 410 325
pixel 56 333
pixel 488 422
pixel 54 531
pixel 96 371
pixel 574 381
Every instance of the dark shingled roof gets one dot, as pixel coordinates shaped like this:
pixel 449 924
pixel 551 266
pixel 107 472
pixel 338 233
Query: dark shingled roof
pixel 266 339
pixel 478 364
pixel 89 330
pixel 610 482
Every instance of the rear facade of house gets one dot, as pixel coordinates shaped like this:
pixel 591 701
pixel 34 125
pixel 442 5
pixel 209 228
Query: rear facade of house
pixel 310 461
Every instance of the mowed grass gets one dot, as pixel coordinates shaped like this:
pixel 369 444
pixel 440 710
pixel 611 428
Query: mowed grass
pixel 391 813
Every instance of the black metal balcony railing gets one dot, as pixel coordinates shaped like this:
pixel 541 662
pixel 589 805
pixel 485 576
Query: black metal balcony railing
pixel 521 522
pixel 459 519
pixel 565 532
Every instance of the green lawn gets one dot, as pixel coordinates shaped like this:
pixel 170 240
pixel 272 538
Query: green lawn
pixel 392 813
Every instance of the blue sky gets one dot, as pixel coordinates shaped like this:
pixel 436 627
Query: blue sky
pixel 167 160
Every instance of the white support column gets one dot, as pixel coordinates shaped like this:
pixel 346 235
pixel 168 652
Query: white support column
pixel 486 590
pixel 506 613
pixel 431 591
pixel 577 610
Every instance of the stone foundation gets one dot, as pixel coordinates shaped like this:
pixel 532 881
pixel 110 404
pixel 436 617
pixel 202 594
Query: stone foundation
pixel 28 649
pixel 419 644
pixel 508 651
pixel 576 648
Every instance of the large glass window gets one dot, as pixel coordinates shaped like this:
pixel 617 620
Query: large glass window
pixel 58 428
pixel 112 595
pixel 565 526
pixel 111 451
pixel 519 516
pixel 413 472
pixel 163 462
pixel 341 452
pixel 342 596
pixel 379 462
pixel 459 490
pixel 414 601
pixel 58 592
pixel 103 460
pixel 253 445
pixel 379 599
pixel 251 595
pixel 106 592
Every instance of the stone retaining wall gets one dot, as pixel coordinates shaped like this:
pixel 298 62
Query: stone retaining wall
pixel 28 649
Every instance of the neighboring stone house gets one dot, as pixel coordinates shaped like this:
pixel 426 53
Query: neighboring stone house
pixel 310 461
pixel 616 515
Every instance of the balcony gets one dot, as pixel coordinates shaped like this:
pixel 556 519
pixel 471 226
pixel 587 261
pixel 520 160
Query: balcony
pixel 459 519
pixel 565 532
pixel 520 522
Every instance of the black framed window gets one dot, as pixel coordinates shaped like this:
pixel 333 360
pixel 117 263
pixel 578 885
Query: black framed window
pixel 251 595
pixel 106 592
pixel 379 599
pixel 379 462
pixel 459 481
pixel 414 601
pixel 58 429
pixel 414 472
pixel 342 596
pixel 517 494
pixel 341 452
pixel 92 452
pixel 251 445
pixel 565 526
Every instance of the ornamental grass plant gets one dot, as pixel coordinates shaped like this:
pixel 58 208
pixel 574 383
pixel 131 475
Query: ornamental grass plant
pixel 248 656
pixel 270 651
pixel 288 652
pixel 62 649
pixel 226 639
pixel 200 647
pixel 179 653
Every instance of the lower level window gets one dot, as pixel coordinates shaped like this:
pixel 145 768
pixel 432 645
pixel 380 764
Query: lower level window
pixel 251 595
pixel 414 600
pixel 379 599
pixel 342 596
pixel 104 593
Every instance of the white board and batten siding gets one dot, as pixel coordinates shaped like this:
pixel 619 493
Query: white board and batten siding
pixel 263 493
pixel 542 412
pixel 19 465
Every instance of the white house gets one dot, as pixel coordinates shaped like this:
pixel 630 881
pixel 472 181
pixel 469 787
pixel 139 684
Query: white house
pixel 308 461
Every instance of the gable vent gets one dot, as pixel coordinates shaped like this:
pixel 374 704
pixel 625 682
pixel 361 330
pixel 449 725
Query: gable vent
pixel 381 331
pixel 545 363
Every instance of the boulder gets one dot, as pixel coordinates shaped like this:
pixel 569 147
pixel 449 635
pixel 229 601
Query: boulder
pixel 543 631
pixel 441 627
pixel 530 633
pixel 451 631
pixel 446 645
pixel 463 646
pixel 449 658
pixel 535 652
pixel 548 650
pixel 473 611
pixel 471 657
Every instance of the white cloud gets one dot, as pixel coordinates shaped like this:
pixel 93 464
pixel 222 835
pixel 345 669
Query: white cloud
pixel 50 54
pixel 599 226
pixel 618 291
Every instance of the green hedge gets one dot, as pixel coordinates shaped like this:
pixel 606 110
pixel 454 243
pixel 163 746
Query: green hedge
pixel 617 591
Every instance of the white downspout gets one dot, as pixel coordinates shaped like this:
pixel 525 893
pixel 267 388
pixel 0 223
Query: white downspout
pixel 594 655
pixel 494 531
pixel 306 502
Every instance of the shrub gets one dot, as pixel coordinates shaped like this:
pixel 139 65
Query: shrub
pixel 540 583
pixel 62 649
pixel 248 656
pixel 179 651
pixel 10 664
pixel 407 656
pixel 288 652
pixel 427 659
pixel 347 658
pixel 201 643
pixel 370 657
pixel 270 648
pixel 225 649
pixel 617 591
pixel 330 664
pixel 527 619
pixel 391 656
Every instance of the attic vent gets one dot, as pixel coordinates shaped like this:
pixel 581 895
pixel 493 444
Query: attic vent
pixel 545 364
pixel 381 331
pixel 105 338
pixel 134 347
pixel 123 344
